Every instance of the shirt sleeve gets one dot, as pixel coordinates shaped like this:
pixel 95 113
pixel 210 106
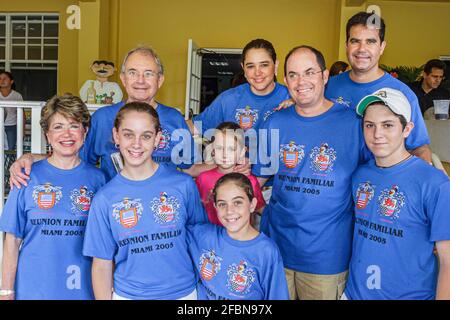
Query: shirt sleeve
pixel 275 284
pixel 211 117
pixel 438 212
pixel 187 154
pixel 195 210
pixel 267 163
pixel 14 218
pixel 99 241
pixel 419 134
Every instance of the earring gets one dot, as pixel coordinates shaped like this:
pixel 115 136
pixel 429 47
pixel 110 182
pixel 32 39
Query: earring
pixel 116 145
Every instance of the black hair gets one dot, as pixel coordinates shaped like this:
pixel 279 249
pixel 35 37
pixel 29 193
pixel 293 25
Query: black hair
pixel 434 63
pixel 338 67
pixel 11 78
pixel 260 44
pixel 365 18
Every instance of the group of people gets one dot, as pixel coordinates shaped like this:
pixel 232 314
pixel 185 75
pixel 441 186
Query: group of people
pixel 356 209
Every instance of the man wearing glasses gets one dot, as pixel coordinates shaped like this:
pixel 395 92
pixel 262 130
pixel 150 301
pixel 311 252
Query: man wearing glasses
pixel 142 75
pixel 320 145
pixel 429 87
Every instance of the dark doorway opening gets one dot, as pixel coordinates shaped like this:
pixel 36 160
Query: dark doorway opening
pixel 218 72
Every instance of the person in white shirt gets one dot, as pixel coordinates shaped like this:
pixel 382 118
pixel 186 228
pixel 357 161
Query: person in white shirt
pixel 8 93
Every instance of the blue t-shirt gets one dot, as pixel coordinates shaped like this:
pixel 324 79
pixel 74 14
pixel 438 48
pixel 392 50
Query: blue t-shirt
pixel 141 225
pixel 400 212
pixel 241 105
pixel 236 270
pixel 100 144
pixel 50 216
pixel 343 90
pixel 310 212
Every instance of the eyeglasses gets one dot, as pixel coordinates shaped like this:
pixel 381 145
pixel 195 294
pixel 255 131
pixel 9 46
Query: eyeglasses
pixel 73 127
pixel 148 74
pixel 305 75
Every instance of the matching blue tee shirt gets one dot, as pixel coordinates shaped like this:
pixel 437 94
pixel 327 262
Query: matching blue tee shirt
pixel 309 215
pixel 400 212
pixel 50 216
pixel 236 270
pixel 241 105
pixel 141 226
pixel 343 90
pixel 99 142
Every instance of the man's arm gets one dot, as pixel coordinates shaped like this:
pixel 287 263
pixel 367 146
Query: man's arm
pixel 423 152
pixel 102 279
pixel 443 285
pixel 19 178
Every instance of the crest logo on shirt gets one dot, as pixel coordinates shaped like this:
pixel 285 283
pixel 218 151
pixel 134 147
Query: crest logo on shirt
pixel 364 194
pixel 81 200
pixel 240 277
pixel 165 140
pixel 46 196
pixel 210 264
pixel 246 117
pixel 340 100
pixel 291 154
pixel 165 208
pixel 391 201
pixel 128 212
pixel 322 158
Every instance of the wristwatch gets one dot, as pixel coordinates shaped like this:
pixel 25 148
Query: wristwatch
pixel 6 292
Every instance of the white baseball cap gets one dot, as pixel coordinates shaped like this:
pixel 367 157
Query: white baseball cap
pixel 393 99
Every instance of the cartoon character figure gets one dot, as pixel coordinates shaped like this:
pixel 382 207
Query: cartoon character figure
pixel 240 277
pixel 210 264
pixel 165 209
pixel 246 117
pixel 391 201
pixel 128 212
pixel 100 90
pixel 322 158
pixel 46 196
pixel 81 200
pixel 364 194
pixel 291 154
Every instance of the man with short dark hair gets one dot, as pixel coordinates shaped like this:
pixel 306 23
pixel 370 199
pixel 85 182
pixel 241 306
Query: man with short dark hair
pixel 365 45
pixel 429 87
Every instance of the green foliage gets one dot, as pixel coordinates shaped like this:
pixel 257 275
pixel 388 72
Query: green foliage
pixel 405 74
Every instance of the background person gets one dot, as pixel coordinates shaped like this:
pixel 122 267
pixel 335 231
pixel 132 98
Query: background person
pixel 429 87
pixel 7 93
pixel 338 67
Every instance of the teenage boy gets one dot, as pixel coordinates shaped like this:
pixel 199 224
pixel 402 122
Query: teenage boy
pixel 401 211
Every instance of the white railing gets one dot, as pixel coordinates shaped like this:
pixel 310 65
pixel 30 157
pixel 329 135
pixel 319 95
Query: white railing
pixel 37 143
